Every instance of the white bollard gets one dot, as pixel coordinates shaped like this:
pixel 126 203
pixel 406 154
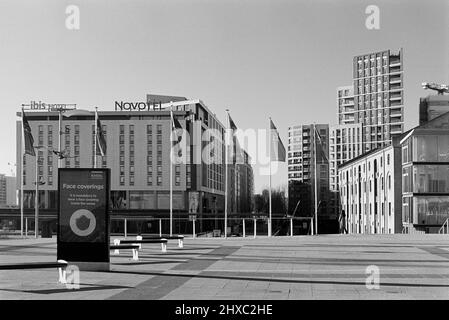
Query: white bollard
pixel 181 242
pixel 193 230
pixel 160 227
pixel 291 227
pixel 116 243
pixel 164 247
pixel 126 229
pixel 244 233
pixel 26 227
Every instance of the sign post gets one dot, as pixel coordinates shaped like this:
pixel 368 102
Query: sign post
pixel 83 221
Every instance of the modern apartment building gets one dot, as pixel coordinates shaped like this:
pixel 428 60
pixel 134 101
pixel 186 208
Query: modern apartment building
pixel 8 193
pixel 378 97
pixel 138 154
pixel 304 150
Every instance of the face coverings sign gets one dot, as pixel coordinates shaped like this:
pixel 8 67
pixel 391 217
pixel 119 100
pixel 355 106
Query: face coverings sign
pixel 83 215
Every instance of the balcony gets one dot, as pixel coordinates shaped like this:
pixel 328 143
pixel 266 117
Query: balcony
pixel 395 113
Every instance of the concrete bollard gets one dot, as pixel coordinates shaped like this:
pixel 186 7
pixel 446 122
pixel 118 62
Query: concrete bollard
pixel 126 229
pixel 181 242
pixel 291 227
pixel 244 229
pixel 164 247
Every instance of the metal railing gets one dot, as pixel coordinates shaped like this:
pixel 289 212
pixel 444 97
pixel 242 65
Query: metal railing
pixel 213 227
pixel 444 228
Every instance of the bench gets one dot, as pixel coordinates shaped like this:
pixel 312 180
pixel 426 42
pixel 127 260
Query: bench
pixel 180 239
pixel 117 246
pixel 139 242
pixel 60 264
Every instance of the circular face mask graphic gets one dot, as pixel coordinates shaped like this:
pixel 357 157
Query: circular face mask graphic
pixel 82 222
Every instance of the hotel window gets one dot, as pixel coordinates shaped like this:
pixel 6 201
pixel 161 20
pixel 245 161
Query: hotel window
pixel 131 129
pixel 177 181
pixel 149 159
pixel 131 160
pixel 159 169
pixel 50 129
pixel 159 180
pixel 149 129
pixel 159 160
pixel 50 180
pixel 122 160
pixel 67 129
pixel 150 169
pixel 77 139
pixel 131 169
pixel 159 129
pixel 159 150
pixel 149 179
pixel 77 162
pixel 131 148
pixel 131 180
pixel 77 129
pixel 122 180
pixel 159 139
pixel 122 170
pixel 131 139
pixel 122 139
pixel 122 129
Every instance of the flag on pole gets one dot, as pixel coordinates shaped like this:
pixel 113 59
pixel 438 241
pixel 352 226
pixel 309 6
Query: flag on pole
pixel 100 138
pixel 176 126
pixel 320 141
pixel 237 152
pixel 28 136
pixel 277 147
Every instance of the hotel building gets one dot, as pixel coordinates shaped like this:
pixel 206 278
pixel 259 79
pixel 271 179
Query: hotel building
pixel 138 155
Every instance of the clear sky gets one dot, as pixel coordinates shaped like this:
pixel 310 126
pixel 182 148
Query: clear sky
pixel 278 58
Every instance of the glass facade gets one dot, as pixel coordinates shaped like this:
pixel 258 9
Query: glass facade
pixel 425 179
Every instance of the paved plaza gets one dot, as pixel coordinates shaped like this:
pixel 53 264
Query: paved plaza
pixel 301 267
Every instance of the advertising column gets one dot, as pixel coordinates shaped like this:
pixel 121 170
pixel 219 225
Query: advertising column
pixel 83 221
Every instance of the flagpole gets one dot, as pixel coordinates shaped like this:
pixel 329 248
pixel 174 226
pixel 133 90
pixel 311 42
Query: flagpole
pixel 269 190
pixel 22 153
pixel 226 174
pixel 95 140
pixel 59 139
pixel 315 173
pixel 171 169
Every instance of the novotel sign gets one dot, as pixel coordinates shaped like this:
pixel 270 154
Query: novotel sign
pixel 137 106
